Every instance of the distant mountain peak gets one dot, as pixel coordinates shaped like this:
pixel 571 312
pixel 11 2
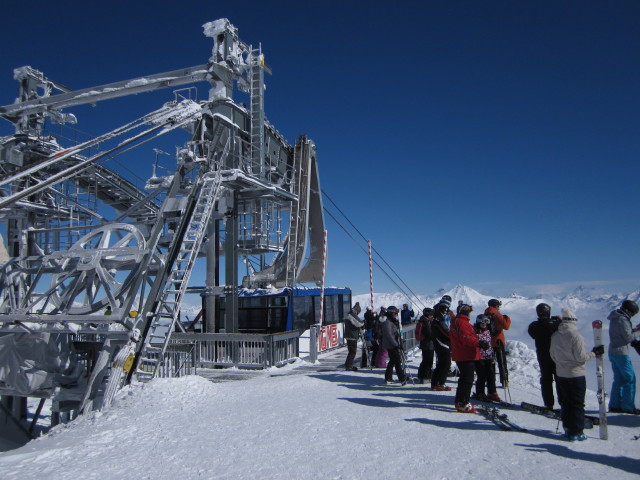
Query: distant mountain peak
pixel 581 299
pixel 581 293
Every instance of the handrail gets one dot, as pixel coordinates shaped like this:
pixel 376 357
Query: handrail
pixel 243 350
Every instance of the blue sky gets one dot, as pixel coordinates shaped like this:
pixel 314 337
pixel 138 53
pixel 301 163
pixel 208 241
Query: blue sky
pixel 493 144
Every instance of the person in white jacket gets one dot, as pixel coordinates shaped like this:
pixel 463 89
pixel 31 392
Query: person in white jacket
pixel 568 353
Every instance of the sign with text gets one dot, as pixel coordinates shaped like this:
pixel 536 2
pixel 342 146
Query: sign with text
pixel 330 337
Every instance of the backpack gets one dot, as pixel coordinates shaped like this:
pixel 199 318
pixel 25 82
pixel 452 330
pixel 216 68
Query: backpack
pixel 423 330
pixel 492 327
pixel 377 329
pixel 369 320
pixel 418 331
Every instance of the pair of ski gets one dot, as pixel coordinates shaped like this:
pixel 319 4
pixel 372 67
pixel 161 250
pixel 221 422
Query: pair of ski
pixel 589 420
pixel 501 420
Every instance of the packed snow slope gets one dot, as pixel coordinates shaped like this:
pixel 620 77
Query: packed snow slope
pixel 329 424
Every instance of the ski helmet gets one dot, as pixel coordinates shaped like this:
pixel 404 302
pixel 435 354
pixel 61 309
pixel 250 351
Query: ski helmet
pixel 465 309
pixel 543 310
pixel 441 308
pixel 630 307
pixel 482 319
pixel 446 300
pixel 494 302
pixel 428 312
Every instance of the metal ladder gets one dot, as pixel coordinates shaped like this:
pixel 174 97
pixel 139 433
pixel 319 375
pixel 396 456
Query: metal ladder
pixel 168 309
pixel 257 111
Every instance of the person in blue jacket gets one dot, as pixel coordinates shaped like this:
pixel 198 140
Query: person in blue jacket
pixel 406 315
pixel 623 392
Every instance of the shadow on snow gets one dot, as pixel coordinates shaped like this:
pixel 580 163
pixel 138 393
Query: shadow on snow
pixel 626 464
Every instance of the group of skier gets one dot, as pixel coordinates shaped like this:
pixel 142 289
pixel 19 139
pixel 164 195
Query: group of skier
pixel 562 357
pixel 443 335
pixel 476 347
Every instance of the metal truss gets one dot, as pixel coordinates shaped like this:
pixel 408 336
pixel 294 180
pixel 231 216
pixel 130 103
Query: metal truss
pixel 92 255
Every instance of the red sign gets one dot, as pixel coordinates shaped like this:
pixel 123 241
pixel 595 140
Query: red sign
pixel 329 338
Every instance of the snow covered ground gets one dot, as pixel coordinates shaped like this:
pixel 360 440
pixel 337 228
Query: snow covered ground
pixel 330 424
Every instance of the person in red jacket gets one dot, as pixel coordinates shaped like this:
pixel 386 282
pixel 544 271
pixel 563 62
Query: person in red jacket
pixel 465 351
pixel 499 322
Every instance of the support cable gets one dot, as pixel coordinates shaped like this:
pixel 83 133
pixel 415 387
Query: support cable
pixel 415 297
pixel 374 249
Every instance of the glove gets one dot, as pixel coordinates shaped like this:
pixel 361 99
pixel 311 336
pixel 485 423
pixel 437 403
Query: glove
pixel 484 345
pixel 636 344
pixel 599 350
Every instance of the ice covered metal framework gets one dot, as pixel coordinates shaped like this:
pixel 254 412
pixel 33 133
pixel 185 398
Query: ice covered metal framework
pixel 97 268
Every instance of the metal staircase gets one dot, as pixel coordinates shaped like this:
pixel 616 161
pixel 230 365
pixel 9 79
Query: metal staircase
pixel 168 307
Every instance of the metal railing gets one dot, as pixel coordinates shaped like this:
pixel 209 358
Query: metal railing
pixel 189 351
pixel 179 360
pixel 235 349
pixel 409 341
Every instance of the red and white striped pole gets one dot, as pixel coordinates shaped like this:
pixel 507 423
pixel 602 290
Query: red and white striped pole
pixel 324 268
pixel 370 274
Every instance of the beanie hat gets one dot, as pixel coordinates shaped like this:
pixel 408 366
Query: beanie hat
pixel 356 308
pixel 568 315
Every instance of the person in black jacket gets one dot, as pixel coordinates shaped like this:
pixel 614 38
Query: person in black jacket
pixel 541 330
pixel 391 342
pixel 370 320
pixel 425 337
pixel 442 346
pixel 352 326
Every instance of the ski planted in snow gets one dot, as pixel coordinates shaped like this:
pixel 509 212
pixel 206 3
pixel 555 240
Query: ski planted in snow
pixel 589 420
pixel 602 394
pixel 501 420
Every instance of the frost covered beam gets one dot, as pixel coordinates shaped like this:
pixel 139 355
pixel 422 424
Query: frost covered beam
pixel 175 78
